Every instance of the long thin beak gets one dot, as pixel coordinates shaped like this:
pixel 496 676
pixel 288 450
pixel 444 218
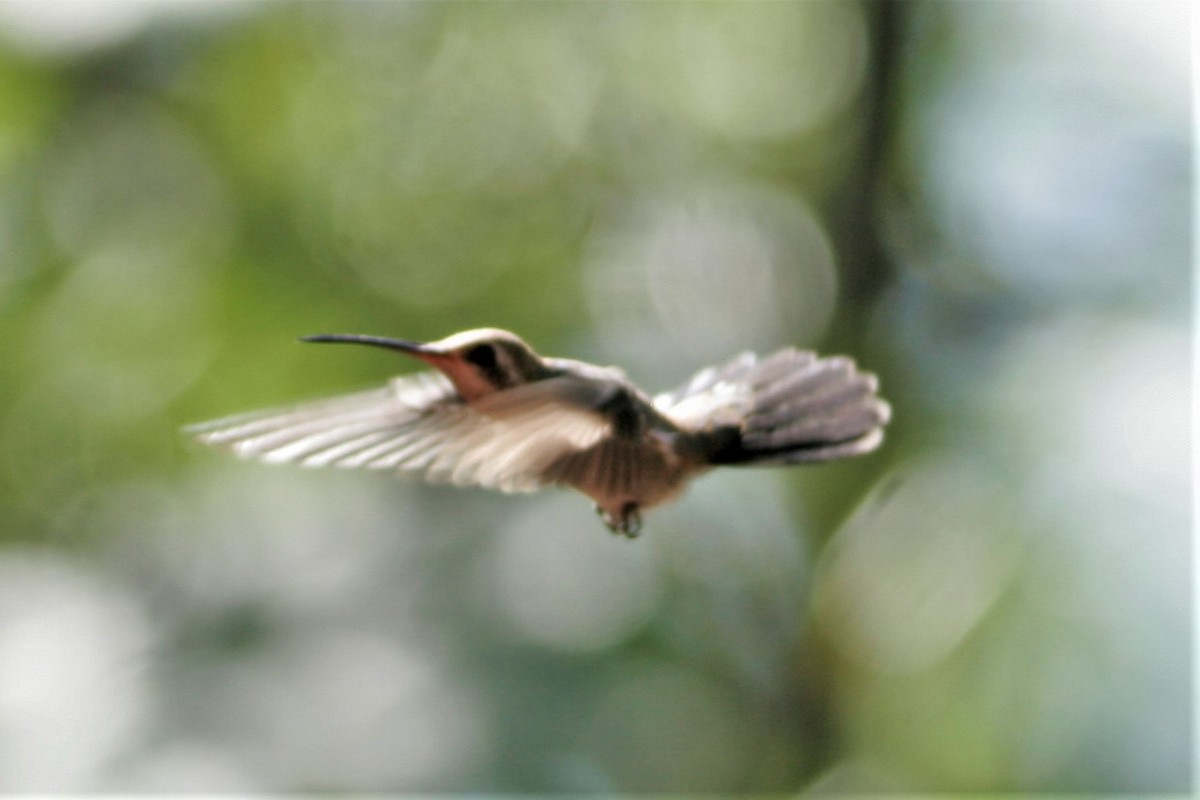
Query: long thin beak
pixel 418 349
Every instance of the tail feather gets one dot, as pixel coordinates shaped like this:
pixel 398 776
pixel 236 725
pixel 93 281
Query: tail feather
pixel 706 379
pixel 830 399
pixel 842 425
pixel 780 366
pixel 805 380
pixel 793 408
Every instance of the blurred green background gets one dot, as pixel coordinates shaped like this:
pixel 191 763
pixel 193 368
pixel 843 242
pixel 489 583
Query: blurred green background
pixel 986 203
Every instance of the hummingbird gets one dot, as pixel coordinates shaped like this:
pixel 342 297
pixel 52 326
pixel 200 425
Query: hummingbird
pixel 493 413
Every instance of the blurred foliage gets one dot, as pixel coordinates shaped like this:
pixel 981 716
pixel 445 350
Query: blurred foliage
pixel 986 203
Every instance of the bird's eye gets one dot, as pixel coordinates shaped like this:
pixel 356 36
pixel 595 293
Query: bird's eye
pixel 482 356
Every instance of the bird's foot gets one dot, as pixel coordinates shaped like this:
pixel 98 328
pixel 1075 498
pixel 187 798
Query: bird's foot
pixel 627 522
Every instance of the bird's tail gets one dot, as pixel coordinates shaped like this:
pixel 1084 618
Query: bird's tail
pixel 800 408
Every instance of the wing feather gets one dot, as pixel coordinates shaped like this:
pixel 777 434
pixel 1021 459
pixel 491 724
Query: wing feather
pixel 420 424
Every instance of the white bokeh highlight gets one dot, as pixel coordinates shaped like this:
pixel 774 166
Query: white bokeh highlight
pixel 704 272
pixel 74 649
pixel 557 579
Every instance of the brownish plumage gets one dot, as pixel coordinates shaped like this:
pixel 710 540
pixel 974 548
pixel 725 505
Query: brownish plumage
pixel 497 415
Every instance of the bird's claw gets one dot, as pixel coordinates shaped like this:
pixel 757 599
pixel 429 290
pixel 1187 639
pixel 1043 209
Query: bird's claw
pixel 627 522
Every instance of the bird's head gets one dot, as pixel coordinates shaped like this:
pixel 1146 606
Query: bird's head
pixel 478 362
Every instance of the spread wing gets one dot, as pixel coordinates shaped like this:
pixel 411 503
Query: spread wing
pixel 788 408
pixel 420 424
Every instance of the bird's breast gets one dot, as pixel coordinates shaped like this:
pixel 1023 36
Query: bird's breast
pixel 619 470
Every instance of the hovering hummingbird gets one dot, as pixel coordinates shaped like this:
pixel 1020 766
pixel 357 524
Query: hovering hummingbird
pixel 498 415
